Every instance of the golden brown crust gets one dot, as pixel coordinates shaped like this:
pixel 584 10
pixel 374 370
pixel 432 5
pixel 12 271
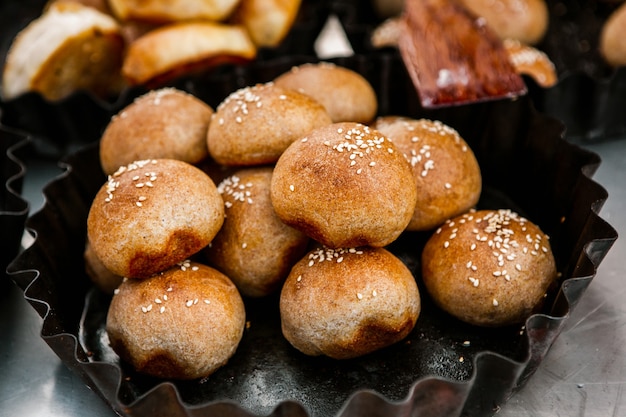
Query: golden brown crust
pixel 523 20
pixel 105 280
pixel 268 21
pixel 184 323
pixel 349 302
pixel 345 185
pixel 255 124
pixel 165 123
pixel 532 62
pixel 152 214
pixel 445 169
pixel 176 49
pixel 160 11
pixel 69 48
pixel 489 267
pixel 612 45
pixel 254 247
pixel 346 94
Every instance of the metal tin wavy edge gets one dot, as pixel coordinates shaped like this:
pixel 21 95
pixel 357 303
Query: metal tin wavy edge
pixel 589 96
pixel 13 208
pixel 423 374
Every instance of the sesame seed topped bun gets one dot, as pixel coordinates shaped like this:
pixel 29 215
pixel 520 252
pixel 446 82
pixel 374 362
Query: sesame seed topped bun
pixel 184 323
pixel 151 214
pixel 255 124
pixel 488 267
pixel 165 123
pixel 254 247
pixel 445 169
pixel 345 185
pixel 346 94
pixel 345 303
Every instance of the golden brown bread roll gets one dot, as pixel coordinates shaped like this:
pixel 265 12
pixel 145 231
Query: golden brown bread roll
pixel 165 123
pixel 152 214
pixel 346 94
pixel 268 21
pixel 69 48
pixel 445 169
pixel 255 124
pixel 254 247
pixel 523 20
pixel 172 10
pixel 532 62
pixel 346 303
pixel 183 323
pixel 177 49
pixel 345 185
pixel 105 280
pixel 489 267
pixel 612 35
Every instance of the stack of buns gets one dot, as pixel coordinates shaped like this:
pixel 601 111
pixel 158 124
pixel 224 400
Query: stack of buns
pixel 103 46
pixel 292 199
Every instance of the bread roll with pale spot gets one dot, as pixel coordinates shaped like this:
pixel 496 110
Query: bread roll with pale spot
pixel 612 35
pixel 445 169
pixel 183 323
pixel 254 247
pixel 523 20
pixel 160 11
pixel 151 214
pixel 489 267
pixel 68 48
pixel 165 123
pixel 532 62
pixel 346 94
pixel 345 185
pixel 105 280
pixel 255 124
pixel 267 21
pixel 183 48
pixel 346 303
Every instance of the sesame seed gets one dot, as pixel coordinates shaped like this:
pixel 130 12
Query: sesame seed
pixel 207 301
pixel 495 302
pixel 299 278
pixel 466 343
pixel 359 295
pixel 162 309
pixel 292 187
pixel 374 293
pixel 446 244
pixel 189 303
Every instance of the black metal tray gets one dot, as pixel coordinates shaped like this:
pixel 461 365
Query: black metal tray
pixel 526 166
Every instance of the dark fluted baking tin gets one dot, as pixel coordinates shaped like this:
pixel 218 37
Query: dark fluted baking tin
pixel 13 208
pixel 526 165
pixel 590 96
pixel 62 126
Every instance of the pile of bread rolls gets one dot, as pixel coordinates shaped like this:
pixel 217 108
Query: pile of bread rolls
pixel 102 46
pixel 294 187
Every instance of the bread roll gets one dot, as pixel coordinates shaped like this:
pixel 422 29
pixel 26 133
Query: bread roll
pixel 268 21
pixel 488 268
pixel 255 124
pixel 444 167
pixel 612 35
pixel 184 323
pixel 522 20
pixel 254 247
pixel 346 94
pixel 105 280
pixel 177 49
pixel 161 11
pixel 69 48
pixel 345 185
pixel 532 62
pixel 165 123
pixel 346 303
pixel 152 214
